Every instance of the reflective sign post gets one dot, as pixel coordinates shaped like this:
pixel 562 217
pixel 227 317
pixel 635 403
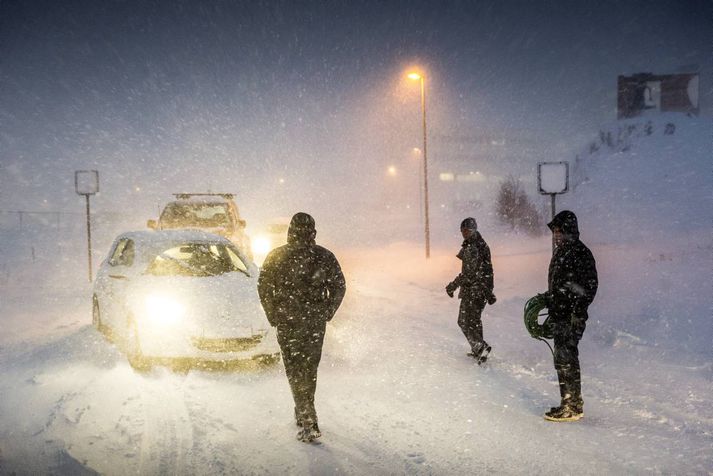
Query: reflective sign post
pixel 552 180
pixel 86 182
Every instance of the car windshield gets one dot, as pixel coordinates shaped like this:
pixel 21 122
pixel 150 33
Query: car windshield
pixel 196 259
pixel 178 215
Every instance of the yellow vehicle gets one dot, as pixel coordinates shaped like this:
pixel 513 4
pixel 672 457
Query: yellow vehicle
pixel 214 213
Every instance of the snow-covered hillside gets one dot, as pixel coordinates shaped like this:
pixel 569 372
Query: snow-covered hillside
pixel 646 179
pixel 644 194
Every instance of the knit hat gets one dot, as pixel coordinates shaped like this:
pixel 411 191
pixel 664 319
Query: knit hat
pixel 469 224
pixel 303 221
pixel 565 221
pixel 301 228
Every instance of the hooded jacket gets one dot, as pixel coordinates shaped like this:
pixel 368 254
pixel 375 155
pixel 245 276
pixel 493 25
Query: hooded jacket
pixel 476 277
pixel 301 282
pixel 572 277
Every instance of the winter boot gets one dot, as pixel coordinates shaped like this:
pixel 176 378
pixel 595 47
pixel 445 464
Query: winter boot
pixel 476 351
pixel 484 354
pixel 564 413
pixel 309 432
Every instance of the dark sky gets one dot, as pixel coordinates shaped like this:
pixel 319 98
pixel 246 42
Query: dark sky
pixel 211 94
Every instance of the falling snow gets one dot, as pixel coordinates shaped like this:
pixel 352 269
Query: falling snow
pixel 310 109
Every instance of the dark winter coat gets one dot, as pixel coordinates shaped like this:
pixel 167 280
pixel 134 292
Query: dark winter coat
pixel 476 277
pixel 572 280
pixel 301 283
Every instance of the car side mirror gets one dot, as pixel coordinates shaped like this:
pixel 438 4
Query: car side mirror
pixel 152 224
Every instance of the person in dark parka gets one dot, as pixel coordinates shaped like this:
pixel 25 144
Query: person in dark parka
pixel 301 286
pixel 572 285
pixel 476 286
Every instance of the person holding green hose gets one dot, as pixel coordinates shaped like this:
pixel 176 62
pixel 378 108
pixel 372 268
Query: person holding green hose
pixel 572 285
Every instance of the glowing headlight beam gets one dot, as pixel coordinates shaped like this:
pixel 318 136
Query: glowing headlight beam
pixel 261 245
pixel 164 310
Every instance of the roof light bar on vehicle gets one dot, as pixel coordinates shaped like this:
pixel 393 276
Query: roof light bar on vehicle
pixel 184 196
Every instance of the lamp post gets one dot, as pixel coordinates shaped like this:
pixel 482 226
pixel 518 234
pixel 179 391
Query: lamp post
pixel 417 152
pixel 427 231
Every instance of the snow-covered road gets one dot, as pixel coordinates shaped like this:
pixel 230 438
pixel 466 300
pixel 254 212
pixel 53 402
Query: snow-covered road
pixel 396 394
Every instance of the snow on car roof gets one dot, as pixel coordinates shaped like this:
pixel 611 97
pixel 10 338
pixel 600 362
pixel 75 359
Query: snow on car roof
pixel 200 200
pixel 226 196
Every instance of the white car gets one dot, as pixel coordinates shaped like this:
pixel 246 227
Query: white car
pixel 181 294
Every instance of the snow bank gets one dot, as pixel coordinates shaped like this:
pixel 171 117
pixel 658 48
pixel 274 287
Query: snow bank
pixel 645 180
pixel 644 195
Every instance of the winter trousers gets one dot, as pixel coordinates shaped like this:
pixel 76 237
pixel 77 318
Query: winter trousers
pixel 566 356
pixel 301 348
pixel 469 321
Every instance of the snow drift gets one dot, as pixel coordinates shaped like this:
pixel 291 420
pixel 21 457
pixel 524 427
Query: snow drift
pixel 643 193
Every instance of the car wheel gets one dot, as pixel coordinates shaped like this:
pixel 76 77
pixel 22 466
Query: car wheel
pixel 136 358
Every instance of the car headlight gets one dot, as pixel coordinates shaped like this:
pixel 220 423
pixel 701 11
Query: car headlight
pixel 261 245
pixel 164 310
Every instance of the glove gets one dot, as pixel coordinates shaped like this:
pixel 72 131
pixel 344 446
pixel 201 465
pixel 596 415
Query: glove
pixel 492 299
pixel 451 288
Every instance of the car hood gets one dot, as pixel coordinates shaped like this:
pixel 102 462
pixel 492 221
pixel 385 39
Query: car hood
pixel 216 306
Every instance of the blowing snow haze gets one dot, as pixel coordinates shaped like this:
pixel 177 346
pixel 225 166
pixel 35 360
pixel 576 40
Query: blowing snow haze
pixel 298 104
pixel 307 107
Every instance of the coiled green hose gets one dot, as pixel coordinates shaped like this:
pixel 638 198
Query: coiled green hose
pixel 533 307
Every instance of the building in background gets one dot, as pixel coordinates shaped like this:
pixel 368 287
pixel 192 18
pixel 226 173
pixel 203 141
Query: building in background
pixel 469 168
pixel 662 93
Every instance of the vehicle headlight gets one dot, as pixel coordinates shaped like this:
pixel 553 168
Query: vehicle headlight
pixel 261 245
pixel 164 310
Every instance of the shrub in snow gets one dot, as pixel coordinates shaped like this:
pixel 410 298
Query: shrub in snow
pixel 514 208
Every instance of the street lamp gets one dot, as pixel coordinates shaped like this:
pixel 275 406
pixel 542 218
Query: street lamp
pixel 417 155
pixel 427 232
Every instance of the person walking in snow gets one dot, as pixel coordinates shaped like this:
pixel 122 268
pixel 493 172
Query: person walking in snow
pixel 301 286
pixel 476 287
pixel 572 285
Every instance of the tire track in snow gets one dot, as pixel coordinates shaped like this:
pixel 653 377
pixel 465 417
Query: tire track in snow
pixel 168 433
